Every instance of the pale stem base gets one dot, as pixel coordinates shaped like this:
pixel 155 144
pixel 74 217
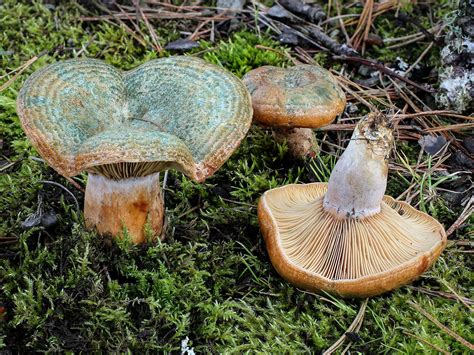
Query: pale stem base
pixel 359 179
pixel 112 205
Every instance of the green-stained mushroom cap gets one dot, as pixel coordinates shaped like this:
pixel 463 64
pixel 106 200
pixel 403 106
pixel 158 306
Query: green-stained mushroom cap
pixel 124 128
pixel 294 100
pixel 300 96
pixel 176 112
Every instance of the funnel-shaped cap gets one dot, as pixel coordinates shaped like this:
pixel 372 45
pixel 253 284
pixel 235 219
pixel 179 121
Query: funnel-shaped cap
pixel 177 112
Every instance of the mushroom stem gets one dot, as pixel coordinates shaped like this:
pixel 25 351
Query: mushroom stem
pixel 359 179
pixel 112 205
pixel 301 141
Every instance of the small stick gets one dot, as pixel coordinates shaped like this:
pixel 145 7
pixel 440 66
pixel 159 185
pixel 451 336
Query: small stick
pixel 432 113
pixel 407 18
pixel 411 36
pixel 441 326
pixel 453 127
pixel 468 210
pixel 312 12
pixel 427 342
pixel 188 211
pixel 9 165
pixel 238 202
pixel 115 17
pixel 332 45
pixel 382 68
pixel 458 297
pixel 449 296
pixel 153 35
pixel 23 67
pixel 357 96
pixel 356 323
pixel 134 23
pixel 427 49
pixel 84 47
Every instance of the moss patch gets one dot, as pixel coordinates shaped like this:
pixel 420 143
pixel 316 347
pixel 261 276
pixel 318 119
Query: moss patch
pixel 210 281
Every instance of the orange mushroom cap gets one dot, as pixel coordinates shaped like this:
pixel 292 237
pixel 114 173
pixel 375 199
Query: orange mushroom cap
pixel 300 96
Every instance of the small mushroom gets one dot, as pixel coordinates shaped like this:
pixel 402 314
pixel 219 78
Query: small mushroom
pixel 345 236
pixel 295 100
pixel 124 128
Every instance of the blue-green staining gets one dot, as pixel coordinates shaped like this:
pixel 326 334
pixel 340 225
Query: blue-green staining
pixel 299 96
pixel 179 111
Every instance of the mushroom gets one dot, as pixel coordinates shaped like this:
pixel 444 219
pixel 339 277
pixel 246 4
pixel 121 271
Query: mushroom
pixel 295 100
pixel 345 237
pixel 123 128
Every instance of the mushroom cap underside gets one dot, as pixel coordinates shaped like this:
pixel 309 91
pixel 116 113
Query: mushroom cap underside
pixel 178 112
pixel 315 250
pixel 300 96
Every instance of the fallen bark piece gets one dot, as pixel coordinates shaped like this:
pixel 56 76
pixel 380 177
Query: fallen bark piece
pixel 331 44
pixel 312 12
pixel 279 12
pixel 182 45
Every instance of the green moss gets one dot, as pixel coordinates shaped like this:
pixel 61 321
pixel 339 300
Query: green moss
pixel 239 54
pixel 66 289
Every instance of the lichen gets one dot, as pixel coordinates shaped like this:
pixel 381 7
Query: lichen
pixel 456 89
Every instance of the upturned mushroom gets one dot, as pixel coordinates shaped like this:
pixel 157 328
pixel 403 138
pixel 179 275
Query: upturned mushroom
pixel 345 237
pixel 294 101
pixel 123 128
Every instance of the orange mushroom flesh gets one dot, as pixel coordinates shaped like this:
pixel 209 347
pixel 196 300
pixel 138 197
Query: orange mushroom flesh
pixel 345 237
pixel 293 101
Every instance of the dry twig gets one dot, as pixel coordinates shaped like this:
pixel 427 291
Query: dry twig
pixel 382 68
pixel 437 348
pixel 465 214
pixel 449 296
pixel 442 326
pixel 353 327
pixel 22 68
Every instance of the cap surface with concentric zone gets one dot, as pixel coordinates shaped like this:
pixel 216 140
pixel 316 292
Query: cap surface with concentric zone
pixel 177 112
pixel 300 96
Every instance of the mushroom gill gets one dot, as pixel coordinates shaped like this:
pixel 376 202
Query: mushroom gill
pixel 347 248
pixel 124 170
pixel 345 236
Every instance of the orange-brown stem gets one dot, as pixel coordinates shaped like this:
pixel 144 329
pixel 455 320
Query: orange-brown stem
pixel 301 141
pixel 112 205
